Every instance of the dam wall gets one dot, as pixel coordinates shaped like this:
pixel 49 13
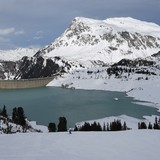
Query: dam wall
pixel 25 83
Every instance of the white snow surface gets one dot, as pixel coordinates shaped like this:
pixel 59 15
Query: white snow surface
pixel 17 54
pixel 88 40
pixel 123 145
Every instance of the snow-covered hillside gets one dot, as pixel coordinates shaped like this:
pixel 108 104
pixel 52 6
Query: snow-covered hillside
pixel 9 61
pixel 124 145
pixel 106 41
pixel 139 79
pixel 17 54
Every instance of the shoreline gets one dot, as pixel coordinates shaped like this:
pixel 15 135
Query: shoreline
pixel 145 91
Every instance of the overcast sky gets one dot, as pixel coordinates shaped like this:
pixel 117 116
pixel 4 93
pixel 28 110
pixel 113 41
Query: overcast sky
pixel 27 23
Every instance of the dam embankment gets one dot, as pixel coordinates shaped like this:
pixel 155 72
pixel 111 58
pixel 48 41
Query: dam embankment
pixel 25 83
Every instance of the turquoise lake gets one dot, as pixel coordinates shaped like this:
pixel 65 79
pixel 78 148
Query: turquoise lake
pixel 47 104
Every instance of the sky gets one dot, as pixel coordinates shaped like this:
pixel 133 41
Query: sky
pixel 36 23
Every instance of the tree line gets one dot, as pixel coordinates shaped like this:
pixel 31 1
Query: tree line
pixel 61 127
pixel 18 117
pixel 116 125
pixel 155 125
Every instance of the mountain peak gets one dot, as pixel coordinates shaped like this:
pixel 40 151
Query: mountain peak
pixel 134 25
pixel 107 40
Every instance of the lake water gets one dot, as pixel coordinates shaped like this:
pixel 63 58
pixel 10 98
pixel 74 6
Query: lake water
pixel 47 104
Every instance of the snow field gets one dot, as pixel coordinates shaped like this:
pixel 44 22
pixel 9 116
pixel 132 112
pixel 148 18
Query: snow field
pixel 123 145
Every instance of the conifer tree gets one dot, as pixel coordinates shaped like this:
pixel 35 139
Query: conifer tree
pixel 18 116
pixel 150 125
pixel 108 127
pixel 62 126
pixel 104 127
pixel 4 112
pixel 14 116
pixel 21 116
pixel 142 125
pixel 52 127
pixel 124 126
pixel 156 125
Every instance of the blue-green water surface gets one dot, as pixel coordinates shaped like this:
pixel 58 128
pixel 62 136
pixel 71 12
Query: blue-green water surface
pixel 47 104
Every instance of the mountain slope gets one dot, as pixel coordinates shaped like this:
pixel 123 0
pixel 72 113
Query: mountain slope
pixel 17 54
pixel 88 43
pixel 9 61
pixel 107 41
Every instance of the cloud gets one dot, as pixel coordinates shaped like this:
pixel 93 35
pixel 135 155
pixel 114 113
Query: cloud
pixel 8 36
pixel 7 31
pixel 4 40
pixel 39 35
pixel 51 17
pixel 17 33
pixel 11 30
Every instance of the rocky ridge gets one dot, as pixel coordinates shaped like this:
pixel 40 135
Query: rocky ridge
pixel 88 43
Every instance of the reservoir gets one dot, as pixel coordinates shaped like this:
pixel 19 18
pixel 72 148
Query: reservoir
pixel 47 104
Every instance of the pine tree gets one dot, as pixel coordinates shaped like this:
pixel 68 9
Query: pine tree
pixel 156 125
pixel 108 127
pixel 52 127
pixel 142 125
pixel 18 116
pixel 14 116
pixel 124 126
pixel 99 128
pixel 21 116
pixel 62 126
pixel 139 125
pixel 104 127
pixel 4 112
pixel 150 125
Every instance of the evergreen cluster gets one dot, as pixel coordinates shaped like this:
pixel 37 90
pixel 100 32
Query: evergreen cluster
pixel 155 125
pixel 118 71
pixel 61 127
pixel 89 127
pixel 116 125
pixel 18 118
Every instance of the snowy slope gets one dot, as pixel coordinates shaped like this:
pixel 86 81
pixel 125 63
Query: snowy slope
pixel 124 145
pixel 143 87
pixel 87 40
pixel 17 54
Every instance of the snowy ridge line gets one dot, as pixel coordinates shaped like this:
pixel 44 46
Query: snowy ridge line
pixel 17 54
pixel 88 40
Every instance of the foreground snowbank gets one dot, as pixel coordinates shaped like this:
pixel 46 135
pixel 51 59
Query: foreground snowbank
pixel 124 145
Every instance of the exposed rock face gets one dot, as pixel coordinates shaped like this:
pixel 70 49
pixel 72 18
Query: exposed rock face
pixel 109 41
pixel 87 43
pixel 36 68
pixel 7 69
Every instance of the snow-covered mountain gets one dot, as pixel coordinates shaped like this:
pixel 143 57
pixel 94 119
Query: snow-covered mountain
pixel 17 54
pixel 107 41
pixel 88 43
pixel 9 61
